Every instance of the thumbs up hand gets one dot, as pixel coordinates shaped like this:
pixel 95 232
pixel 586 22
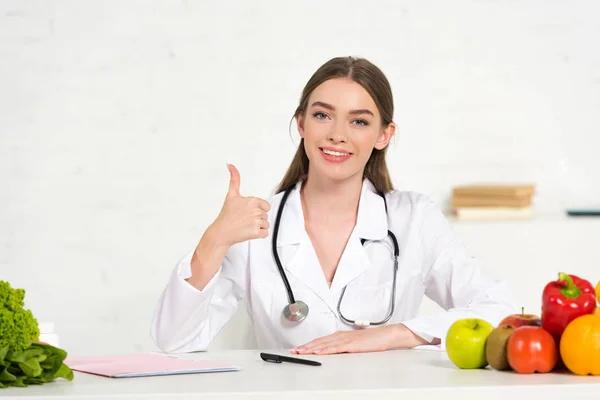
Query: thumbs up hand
pixel 241 218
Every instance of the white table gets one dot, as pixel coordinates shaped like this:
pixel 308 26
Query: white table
pixel 398 375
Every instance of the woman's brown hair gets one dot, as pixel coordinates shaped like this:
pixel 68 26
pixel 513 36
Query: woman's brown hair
pixel 372 79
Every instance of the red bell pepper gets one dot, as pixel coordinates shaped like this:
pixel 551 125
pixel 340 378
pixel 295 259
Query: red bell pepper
pixel 564 300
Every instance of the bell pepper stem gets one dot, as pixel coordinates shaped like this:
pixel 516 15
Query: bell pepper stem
pixel 570 290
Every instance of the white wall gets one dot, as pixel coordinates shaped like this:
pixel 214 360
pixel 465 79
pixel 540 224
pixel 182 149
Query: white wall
pixel 117 119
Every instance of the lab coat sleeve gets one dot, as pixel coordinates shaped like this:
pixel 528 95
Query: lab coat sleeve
pixel 187 319
pixel 455 281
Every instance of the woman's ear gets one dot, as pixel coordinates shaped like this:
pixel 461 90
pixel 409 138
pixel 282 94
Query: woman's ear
pixel 385 136
pixel 300 125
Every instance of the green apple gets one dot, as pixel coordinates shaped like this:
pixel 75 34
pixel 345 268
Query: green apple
pixel 465 342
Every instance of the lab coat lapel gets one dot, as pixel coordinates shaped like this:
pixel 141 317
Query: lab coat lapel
pixel 371 224
pixel 353 263
pixel 304 264
pixel 301 262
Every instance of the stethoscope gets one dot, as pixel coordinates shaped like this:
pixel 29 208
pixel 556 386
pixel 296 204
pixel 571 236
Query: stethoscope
pixel 297 310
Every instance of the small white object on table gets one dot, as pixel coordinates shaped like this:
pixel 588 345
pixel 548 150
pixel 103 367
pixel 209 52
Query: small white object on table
pixel 47 334
pixel 398 375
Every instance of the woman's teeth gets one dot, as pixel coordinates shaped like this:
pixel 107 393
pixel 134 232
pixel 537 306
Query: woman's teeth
pixel 335 153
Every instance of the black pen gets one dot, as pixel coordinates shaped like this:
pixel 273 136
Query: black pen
pixel 275 358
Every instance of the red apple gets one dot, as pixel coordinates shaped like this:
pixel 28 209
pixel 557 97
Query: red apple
pixel 522 319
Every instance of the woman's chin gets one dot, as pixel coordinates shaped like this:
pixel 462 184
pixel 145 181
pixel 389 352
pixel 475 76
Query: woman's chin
pixel 337 174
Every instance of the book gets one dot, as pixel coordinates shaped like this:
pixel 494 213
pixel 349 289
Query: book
pixel 492 213
pixel 489 201
pixel 138 365
pixel 521 191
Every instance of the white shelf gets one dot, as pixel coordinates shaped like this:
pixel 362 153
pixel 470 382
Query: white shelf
pixel 537 219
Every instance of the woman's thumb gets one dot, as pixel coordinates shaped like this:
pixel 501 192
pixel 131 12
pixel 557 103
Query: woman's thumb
pixel 234 181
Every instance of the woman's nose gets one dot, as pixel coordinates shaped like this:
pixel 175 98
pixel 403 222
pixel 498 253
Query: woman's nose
pixel 337 134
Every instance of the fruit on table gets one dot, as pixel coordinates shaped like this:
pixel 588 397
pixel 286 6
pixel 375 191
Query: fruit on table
pixel 597 310
pixel 465 342
pixel 580 345
pixel 531 349
pixel 564 300
pixel 496 347
pixel 522 319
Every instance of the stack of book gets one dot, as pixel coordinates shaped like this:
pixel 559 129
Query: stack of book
pixel 481 202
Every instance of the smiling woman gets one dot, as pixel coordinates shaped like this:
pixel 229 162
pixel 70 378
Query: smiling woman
pixel 344 132
pixel 353 93
pixel 359 254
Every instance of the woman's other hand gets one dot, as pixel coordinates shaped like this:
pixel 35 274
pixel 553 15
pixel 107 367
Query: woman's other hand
pixel 361 341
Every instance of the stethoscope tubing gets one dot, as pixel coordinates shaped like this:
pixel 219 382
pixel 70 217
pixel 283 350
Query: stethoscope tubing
pixel 393 302
pixel 274 248
pixel 290 293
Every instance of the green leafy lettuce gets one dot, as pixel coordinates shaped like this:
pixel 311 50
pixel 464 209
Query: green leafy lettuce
pixel 23 360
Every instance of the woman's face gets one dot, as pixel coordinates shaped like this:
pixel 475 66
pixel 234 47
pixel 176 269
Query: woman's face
pixel 341 128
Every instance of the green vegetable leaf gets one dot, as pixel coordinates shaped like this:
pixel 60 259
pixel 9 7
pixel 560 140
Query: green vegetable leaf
pixel 56 357
pixel 23 360
pixel 64 372
pixel 57 363
pixel 6 376
pixel 18 382
pixel 3 353
pixel 18 326
pixel 48 363
pixel 48 376
pixel 14 369
pixel 22 356
pixel 34 381
pixel 60 353
pixel 31 367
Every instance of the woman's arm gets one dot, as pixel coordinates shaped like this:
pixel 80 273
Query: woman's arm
pixel 207 259
pixel 455 280
pixel 395 336
pixel 186 318
pixel 206 286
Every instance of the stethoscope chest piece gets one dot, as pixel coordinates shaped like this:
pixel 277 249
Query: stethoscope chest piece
pixel 296 311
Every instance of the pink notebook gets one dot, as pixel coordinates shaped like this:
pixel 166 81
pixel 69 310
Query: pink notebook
pixel 135 365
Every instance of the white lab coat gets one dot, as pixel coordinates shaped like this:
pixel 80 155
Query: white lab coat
pixel 433 262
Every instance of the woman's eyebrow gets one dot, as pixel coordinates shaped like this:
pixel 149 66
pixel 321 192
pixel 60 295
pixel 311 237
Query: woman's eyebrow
pixel 332 108
pixel 324 105
pixel 363 111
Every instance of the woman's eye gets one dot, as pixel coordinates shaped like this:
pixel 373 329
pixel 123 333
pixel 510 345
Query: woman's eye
pixel 320 115
pixel 361 122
